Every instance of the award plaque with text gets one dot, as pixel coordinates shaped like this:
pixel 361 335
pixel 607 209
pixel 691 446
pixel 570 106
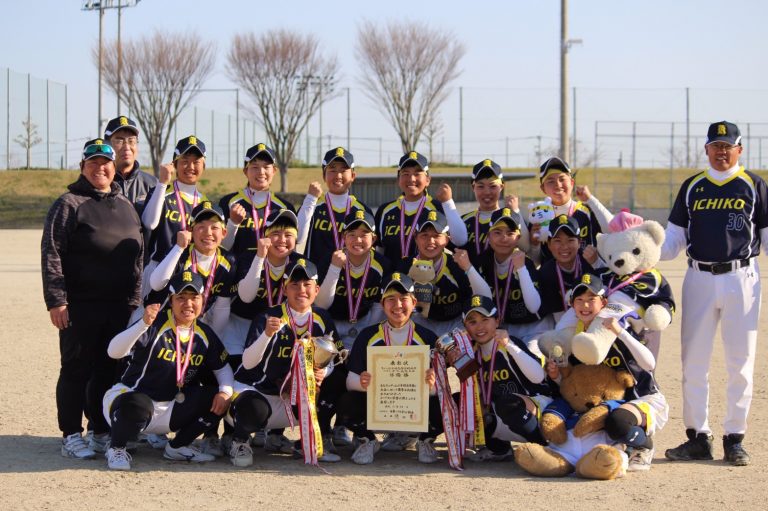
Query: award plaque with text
pixel 398 397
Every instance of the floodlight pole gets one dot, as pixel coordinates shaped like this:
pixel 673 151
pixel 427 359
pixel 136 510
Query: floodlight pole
pixel 101 63
pixel 119 54
pixel 565 45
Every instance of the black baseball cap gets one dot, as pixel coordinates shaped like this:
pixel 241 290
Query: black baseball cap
pixel 262 152
pixel 339 154
pixel 504 215
pixel 120 123
pixel 205 210
pixel 286 215
pixel 411 158
pixel 187 144
pixel 433 218
pixel 97 147
pixel 357 217
pixel 723 131
pixel 399 281
pixel 482 304
pixel 564 223
pixel 588 282
pixel 554 164
pixel 186 280
pixel 300 269
pixel 485 169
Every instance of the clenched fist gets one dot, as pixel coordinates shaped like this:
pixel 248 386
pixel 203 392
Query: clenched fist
pixel 237 214
pixel 444 193
pixel 167 171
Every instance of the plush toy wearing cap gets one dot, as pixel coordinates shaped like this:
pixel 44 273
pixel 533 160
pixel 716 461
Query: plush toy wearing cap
pixel 541 212
pixel 423 273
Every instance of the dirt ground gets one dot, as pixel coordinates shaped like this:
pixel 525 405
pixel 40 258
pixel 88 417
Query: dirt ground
pixel 34 476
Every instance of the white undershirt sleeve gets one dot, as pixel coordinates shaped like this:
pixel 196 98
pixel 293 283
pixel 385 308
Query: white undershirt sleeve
pixel 164 271
pixel 525 241
pixel 249 285
pixel 456 225
pixel 531 296
pixel 229 239
pixel 602 214
pixel 121 344
pixel 353 382
pixel 153 208
pixel 220 314
pixel 674 241
pixel 478 283
pixel 253 354
pixel 305 218
pixel 532 368
pixel 327 292
pixel 642 354
pixel 225 378
pixel 764 238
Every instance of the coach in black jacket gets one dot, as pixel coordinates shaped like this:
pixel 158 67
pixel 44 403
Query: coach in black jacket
pixel 92 250
pixel 123 135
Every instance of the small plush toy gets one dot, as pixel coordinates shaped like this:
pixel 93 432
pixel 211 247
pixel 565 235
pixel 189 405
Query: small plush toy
pixel 573 426
pixel 423 273
pixel 541 212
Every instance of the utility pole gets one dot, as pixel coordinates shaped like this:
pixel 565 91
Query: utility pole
pixel 101 64
pixel 565 45
pixel 119 54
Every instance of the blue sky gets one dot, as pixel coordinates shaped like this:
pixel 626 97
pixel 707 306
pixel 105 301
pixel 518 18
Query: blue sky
pixel 634 63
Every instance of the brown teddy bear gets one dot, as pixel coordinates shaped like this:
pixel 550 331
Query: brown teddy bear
pixel 573 426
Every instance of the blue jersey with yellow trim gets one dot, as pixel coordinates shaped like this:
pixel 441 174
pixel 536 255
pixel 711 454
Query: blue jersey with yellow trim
pixel 508 378
pixel 515 312
pixel 589 228
pixel 483 219
pixel 245 239
pixel 163 237
pixel 269 374
pixel 339 309
pixel 451 289
pixel 260 303
pixel 388 227
pixel 374 336
pixel 651 288
pixel 320 244
pixel 722 218
pixel 152 365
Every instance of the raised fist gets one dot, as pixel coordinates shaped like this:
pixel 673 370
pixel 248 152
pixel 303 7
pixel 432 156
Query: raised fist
pixel 444 193
pixel 167 171
pixel 237 214
pixel 339 259
pixel 262 246
pixel 183 239
pixel 315 189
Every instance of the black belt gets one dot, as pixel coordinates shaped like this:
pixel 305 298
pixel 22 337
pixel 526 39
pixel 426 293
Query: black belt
pixel 719 268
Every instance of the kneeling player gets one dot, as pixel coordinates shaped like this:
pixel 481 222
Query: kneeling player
pixel 160 390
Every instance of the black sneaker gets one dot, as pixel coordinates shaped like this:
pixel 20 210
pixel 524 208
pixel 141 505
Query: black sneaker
pixel 734 451
pixel 697 447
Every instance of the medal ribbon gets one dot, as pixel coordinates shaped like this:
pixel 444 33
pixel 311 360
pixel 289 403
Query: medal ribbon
pixel 388 340
pixel 477 235
pixel 502 305
pixel 332 218
pixel 354 308
pixel 182 207
pixel 454 439
pixel 181 369
pixel 405 244
pixel 211 273
pixel 254 212
pixel 468 417
pixel 624 284
pixel 485 388
pixel 268 285
pixel 561 283
pixel 295 326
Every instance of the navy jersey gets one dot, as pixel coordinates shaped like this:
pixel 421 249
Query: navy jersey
pixel 152 365
pixel 650 288
pixel 515 312
pixel 339 308
pixel 589 228
pixel 508 378
pixel 553 295
pixel 388 227
pixel 163 237
pixel 722 218
pixel 374 336
pixel 478 225
pixel 261 302
pixel 245 239
pixel 320 243
pixel 269 374
pixel 451 289
pixel 224 277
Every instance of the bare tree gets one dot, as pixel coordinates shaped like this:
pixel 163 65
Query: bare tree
pixel 406 69
pixel 287 78
pixel 162 73
pixel 28 139
pixel 433 128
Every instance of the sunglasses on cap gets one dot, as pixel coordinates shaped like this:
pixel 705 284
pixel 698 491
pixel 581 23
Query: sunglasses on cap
pixel 98 149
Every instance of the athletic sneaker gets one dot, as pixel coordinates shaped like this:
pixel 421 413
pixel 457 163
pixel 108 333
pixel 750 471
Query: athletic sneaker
pixel 118 458
pixel 365 452
pixel 98 443
pixel 226 442
pixel 485 454
pixel 426 451
pixel 342 437
pixel 329 451
pixel 73 446
pixel 394 442
pixel 697 447
pixel 212 445
pixel 640 458
pixel 278 443
pixel 156 441
pixel 734 451
pixel 241 454
pixel 186 453
pixel 259 438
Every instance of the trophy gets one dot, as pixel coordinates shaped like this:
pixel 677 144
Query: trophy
pixel 558 356
pixel 464 363
pixel 326 352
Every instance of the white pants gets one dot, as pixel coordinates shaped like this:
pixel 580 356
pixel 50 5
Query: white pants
pixel 160 424
pixel 278 418
pixel 234 335
pixel 733 299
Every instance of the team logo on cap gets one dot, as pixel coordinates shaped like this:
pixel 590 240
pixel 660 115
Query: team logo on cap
pixel 432 215
pixel 123 121
pixel 186 276
pixel 721 129
pixel 396 277
pixel 486 163
pixel 475 301
pixel 412 155
pixel 98 141
pixel 260 147
pixel 193 140
pixel 506 212
pixel 207 205
pixel 563 219
pixel 302 263
pixel 359 214
pixel 586 278
pixel 339 151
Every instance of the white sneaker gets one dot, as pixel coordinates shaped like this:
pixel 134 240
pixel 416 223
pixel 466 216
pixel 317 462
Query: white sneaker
pixel 157 441
pixel 186 453
pixel 73 446
pixel 640 459
pixel 426 451
pixel 98 443
pixel 364 454
pixel 278 443
pixel 241 454
pixel 118 458
pixel 394 442
pixel 212 445
pixel 259 438
pixel 329 452
pixel 342 437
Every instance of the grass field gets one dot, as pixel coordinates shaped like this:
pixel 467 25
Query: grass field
pixel 26 195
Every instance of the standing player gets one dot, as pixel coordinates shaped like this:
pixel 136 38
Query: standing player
pixel 320 220
pixel 123 135
pixel 720 217
pixel 395 220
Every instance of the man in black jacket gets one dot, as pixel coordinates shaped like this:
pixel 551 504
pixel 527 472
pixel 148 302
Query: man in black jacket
pixel 123 135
